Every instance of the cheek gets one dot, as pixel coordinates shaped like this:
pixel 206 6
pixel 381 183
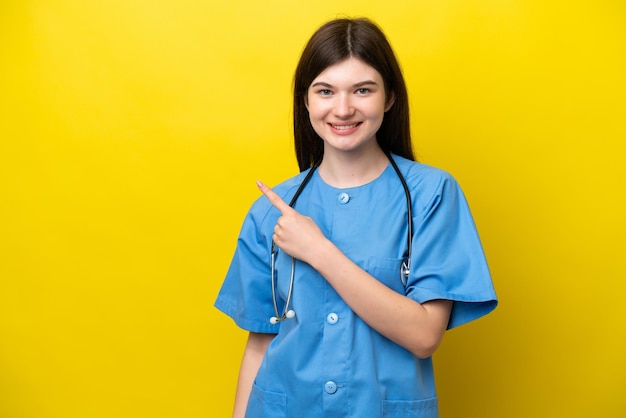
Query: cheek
pixel 316 111
pixel 317 123
pixel 317 119
pixel 378 110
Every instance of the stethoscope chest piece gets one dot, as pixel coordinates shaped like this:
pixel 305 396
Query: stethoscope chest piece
pixel 405 271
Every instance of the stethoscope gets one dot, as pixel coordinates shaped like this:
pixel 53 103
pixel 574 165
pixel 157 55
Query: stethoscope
pixel 405 269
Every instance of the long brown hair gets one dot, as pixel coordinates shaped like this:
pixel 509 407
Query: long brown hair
pixel 336 41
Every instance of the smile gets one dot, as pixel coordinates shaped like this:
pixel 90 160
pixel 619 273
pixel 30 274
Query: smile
pixel 344 127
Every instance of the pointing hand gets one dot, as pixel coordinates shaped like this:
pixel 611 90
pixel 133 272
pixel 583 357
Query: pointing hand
pixel 296 234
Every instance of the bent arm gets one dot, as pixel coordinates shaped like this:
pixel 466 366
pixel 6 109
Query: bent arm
pixel 250 363
pixel 417 327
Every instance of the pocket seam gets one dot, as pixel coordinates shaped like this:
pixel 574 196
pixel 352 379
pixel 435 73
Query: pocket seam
pixel 429 405
pixel 266 396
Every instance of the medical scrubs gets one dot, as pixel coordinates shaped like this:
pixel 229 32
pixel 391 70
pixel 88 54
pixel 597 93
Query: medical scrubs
pixel 327 362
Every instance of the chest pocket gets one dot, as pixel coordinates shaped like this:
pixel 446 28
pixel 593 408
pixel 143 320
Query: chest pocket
pixel 387 271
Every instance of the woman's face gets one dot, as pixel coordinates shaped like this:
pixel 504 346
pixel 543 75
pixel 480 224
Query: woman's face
pixel 346 104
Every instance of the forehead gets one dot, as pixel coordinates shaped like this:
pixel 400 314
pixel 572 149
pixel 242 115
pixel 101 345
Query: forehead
pixel 348 71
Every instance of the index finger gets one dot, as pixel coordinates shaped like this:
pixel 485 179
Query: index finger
pixel 274 198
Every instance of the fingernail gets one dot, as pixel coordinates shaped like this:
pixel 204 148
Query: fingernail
pixel 259 184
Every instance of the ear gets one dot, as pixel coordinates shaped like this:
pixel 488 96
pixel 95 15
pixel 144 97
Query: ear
pixel 305 99
pixel 390 101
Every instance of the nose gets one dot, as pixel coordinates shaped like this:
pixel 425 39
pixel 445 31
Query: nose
pixel 344 106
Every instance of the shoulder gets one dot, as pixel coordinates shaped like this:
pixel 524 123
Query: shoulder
pixel 427 184
pixel 422 175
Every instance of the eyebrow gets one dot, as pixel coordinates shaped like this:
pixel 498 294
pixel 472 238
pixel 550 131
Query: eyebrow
pixel 357 85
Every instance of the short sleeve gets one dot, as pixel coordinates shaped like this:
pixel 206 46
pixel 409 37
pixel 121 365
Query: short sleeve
pixel 246 294
pixel 448 261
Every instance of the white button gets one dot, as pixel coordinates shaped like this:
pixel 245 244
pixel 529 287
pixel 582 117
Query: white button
pixel 343 198
pixel 332 318
pixel 330 387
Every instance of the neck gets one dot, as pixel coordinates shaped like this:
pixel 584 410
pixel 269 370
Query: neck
pixel 347 169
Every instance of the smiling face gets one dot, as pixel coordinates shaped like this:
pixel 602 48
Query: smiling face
pixel 346 104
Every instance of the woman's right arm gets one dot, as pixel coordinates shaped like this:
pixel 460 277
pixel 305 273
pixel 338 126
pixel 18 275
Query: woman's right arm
pixel 250 363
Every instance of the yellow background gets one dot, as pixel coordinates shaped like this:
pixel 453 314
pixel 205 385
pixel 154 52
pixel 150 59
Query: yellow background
pixel 131 133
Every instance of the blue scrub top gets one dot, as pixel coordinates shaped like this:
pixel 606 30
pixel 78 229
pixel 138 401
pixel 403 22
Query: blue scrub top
pixel 327 362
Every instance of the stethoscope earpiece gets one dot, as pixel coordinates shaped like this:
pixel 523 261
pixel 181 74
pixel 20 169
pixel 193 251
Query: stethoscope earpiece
pixel 287 315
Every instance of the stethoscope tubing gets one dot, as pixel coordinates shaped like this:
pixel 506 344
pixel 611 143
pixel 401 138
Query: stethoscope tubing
pixel 287 313
pixel 406 265
pixel 404 270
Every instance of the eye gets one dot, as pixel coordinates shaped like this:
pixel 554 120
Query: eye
pixel 325 92
pixel 363 90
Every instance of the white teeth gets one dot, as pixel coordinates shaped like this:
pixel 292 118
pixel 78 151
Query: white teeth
pixel 344 127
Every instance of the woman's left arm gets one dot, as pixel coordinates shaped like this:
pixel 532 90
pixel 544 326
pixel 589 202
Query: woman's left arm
pixel 417 327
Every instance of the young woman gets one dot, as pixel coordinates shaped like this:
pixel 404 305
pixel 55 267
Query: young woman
pixel 373 259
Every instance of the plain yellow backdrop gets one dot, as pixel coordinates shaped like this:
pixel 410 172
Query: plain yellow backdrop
pixel 131 134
